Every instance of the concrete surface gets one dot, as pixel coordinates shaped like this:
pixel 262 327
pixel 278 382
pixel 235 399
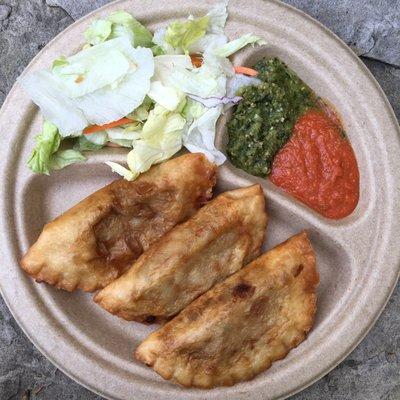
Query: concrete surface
pixel 372 29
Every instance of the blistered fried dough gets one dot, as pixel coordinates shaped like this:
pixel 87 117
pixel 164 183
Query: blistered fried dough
pixel 217 241
pixel 95 241
pixel 239 327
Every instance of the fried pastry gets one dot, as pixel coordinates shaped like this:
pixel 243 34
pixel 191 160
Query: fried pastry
pixel 217 241
pixel 242 325
pixel 95 241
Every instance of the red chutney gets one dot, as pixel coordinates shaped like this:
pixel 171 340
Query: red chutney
pixel 318 166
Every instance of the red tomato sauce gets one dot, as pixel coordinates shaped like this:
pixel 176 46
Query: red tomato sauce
pixel 318 166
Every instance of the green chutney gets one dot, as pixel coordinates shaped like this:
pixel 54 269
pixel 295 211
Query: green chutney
pixel 263 121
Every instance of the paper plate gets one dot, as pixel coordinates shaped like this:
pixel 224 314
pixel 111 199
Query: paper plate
pixel 358 257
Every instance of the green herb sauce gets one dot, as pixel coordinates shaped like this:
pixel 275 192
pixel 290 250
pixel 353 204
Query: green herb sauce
pixel 263 121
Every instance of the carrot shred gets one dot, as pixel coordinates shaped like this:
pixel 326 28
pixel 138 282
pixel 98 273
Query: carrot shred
pixel 197 60
pixel 246 71
pixel 96 128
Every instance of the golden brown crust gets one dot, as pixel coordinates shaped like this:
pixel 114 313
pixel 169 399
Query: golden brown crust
pixel 242 325
pixel 217 241
pixel 95 241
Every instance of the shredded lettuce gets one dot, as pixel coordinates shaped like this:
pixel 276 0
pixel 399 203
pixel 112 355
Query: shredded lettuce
pixel 160 139
pixel 83 144
pixel 193 110
pixel 65 157
pixel 200 136
pixel 91 69
pixel 46 155
pixel 120 170
pixel 118 24
pixel 206 81
pixel 47 143
pixel 165 65
pixel 218 16
pixel 214 36
pixel 125 71
pixel 59 62
pixel 167 96
pixel 207 43
pixel 97 86
pixel 210 34
pixel 157 50
pixel 183 34
pixel 161 43
pixel 98 32
pixel 235 45
pixel 125 95
pixel 46 91
pixel 121 136
pixel 153 151
pixel 142 112
pixel 99 138
pixel 161 122
pixel 133 126
pixel 125 24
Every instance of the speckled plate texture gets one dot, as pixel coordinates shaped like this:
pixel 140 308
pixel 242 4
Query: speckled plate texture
pixel 358 257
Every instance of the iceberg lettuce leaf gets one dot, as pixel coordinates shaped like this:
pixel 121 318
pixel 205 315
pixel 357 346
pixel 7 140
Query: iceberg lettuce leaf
pixel 98 31
pixel 112 91
pixel 206 81
pixel 91 69
pixel 218 16
pixel 63 158
pixel 160 139
pixel 124 24
pixel 83 144
pixel 45 90
pixel 124 172
pixel 119 24
pixel 200 136
pixel 167 96
pixel 181 34
pixel 47 143
pixel 235 45
pixel 113 102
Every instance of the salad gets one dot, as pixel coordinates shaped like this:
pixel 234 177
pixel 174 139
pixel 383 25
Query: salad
pixel 150 93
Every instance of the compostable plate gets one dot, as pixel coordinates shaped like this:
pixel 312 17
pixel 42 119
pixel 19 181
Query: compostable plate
pixel 358 257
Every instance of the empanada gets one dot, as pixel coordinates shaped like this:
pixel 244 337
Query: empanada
pixel 98 239
pixel 239 327
pixel 217 241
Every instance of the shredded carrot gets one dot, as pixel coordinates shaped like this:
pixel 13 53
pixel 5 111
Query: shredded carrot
pixel 246 71
pixel 97 128
pixel 197 60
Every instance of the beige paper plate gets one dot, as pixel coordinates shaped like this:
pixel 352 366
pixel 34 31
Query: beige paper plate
pixel 358 257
